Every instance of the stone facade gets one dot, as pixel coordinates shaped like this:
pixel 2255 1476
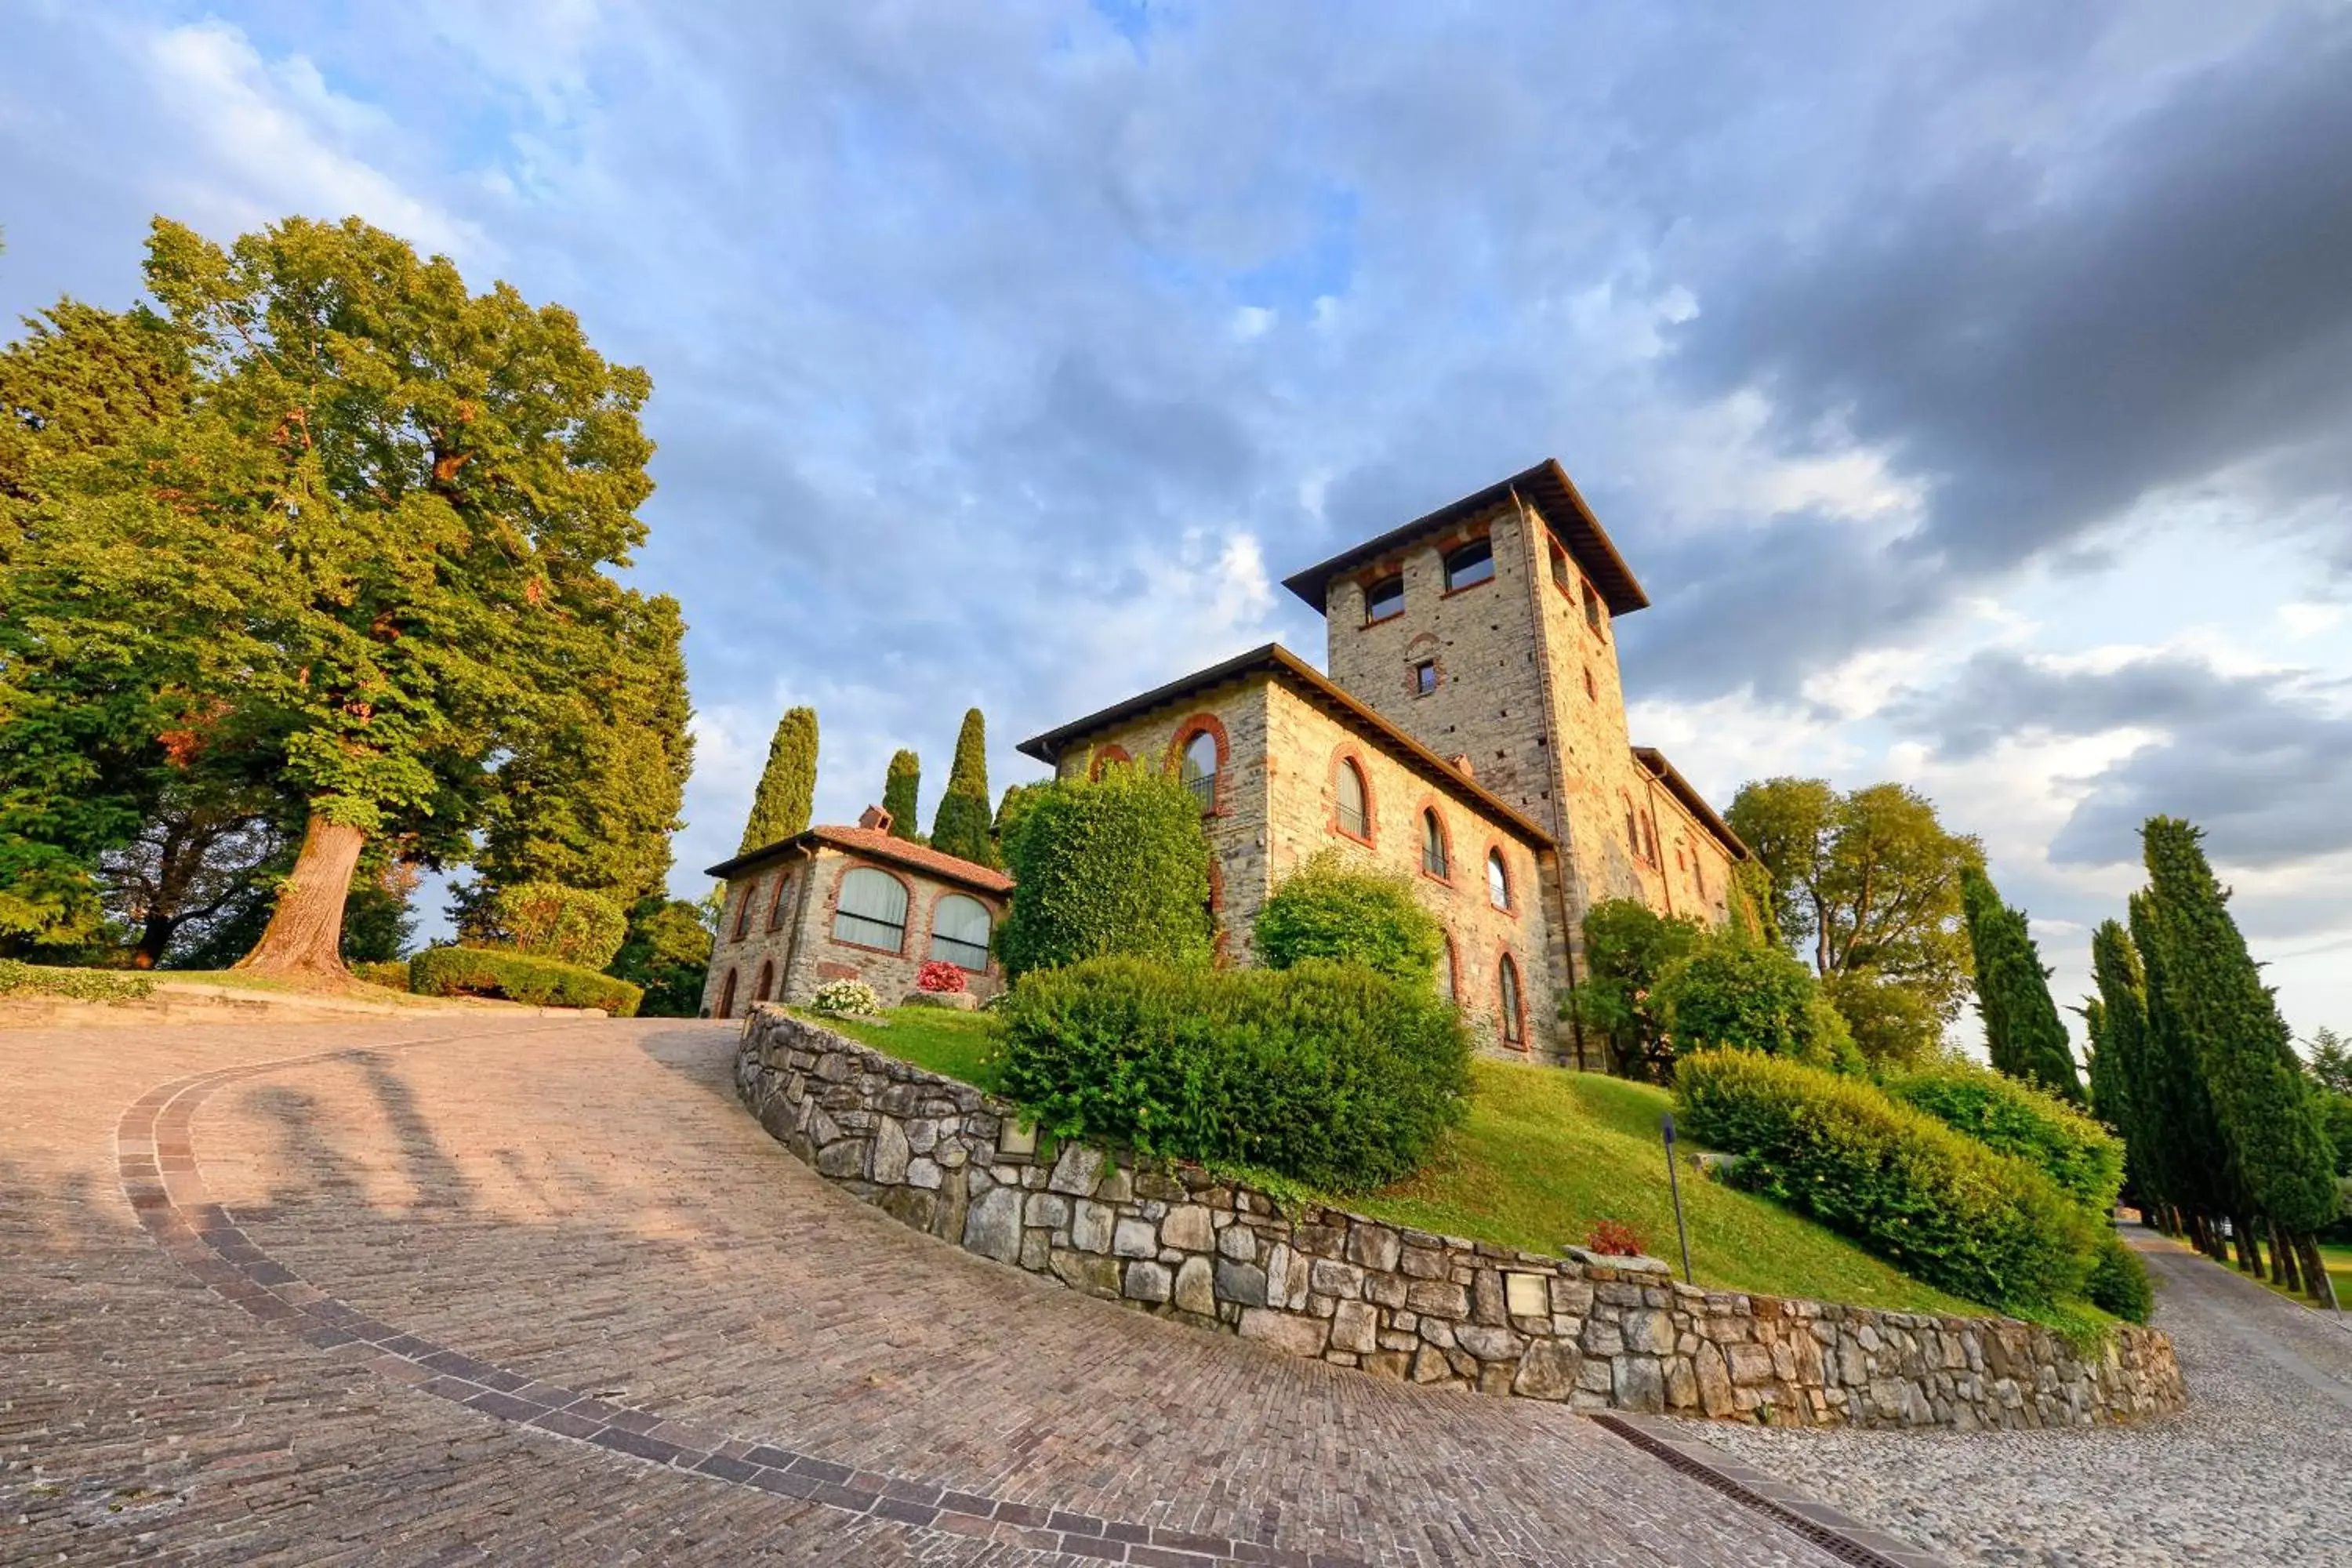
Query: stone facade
pixel 1176 1242
pixel 778 935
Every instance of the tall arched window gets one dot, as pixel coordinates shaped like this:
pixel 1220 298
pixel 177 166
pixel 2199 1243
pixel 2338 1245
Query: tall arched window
pixel 1348 799
pixel 776 904
pixel 744 909
pixel 1384 598
pixel 872 912
pixel 1650 831
pixel 1449 983
pixel 727 997
pixel 1592 609
pixel 767 980
pixel 1633 829
pixel 1199 769
pixel 1498 880
pixel 1472 563
pixel 1433 859
pixel 960 931
pixel 1507 988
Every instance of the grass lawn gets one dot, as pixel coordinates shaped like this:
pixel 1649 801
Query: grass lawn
pixel 2336 1258
pixel 962 1046
pixel 1548 1152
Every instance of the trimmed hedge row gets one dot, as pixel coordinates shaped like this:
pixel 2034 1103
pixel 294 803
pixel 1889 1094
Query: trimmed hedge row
pixel 2018 1118
pixel 21 979
pixel 519 977
pixel 1933 1202
pixel 1323 1072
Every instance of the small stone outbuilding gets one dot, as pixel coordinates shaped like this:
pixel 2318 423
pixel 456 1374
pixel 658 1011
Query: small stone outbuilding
pixel 849 903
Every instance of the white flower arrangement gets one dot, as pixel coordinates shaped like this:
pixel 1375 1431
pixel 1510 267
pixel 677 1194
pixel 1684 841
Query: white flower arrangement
pixel 847 999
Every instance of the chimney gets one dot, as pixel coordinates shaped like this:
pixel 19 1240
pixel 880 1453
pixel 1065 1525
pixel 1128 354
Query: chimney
pixel 1462 764
pixel 875 817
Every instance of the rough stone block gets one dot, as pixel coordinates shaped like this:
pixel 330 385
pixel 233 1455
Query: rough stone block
pixel 1423 1263
pixel 1388 1289
pixel 1050 1210
pixel 1438 1298
pixel 1488 1342
pixel 1014 1138
pixel 1147 1282
pixel 1392 1363
pixel 1486 1296
pixel 1238 1242
pixel 910 1206
pixel 993 1227
pixel 1286 1331
pixel 1355 1326
pixel 1344 1281
pixel 1242 1282
pixel 843 1157
pixel 1638 1383
pixel 1188 1226
pixel 1547 1370
pixel 1650 1332
pixel 1095 1275
pixel 1196 1288
pixel 1135 1239
pixel 924 1173
pixel 1375 1246
pixel 1750 1364
pixel 1091 1225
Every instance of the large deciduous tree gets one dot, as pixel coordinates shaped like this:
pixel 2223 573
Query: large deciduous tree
pixel 961 825
pixel 787 793
pixel 2024 1034
pixel 374 538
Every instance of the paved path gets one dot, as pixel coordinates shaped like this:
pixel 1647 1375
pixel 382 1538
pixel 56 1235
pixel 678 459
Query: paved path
pixel 2258 1470
pixel 542 1293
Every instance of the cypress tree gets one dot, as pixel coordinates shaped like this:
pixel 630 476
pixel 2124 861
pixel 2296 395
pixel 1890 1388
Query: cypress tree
pixel 2245 1051
pixel 2022 1030
pixel 961 825
pixel 902 786
pixel 2120 1094
pixel 2184 1141
pixel 787 793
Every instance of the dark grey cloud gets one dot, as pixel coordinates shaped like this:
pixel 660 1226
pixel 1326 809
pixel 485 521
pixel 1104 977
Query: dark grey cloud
pixel 2261 762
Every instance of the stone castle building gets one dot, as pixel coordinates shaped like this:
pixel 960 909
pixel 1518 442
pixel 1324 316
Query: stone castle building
pixel 1471 734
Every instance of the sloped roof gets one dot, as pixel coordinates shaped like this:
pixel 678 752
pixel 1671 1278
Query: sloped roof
pixel 1274 660
pixel 1552 493
pixel 1653 761
pixel 876 845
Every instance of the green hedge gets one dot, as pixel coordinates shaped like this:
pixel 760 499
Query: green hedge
pixel 1117 865
pixel 1323 1072
pixel 1724 994
pixel 519 977
pixel 392 973
pixel 2018 1118
pixel 20 979
pixel 570 925
pixel 2119 1281
pixel 1937 1204
pixel 1325 911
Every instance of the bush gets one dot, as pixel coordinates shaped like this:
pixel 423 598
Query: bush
pixel 392 973
pixel 939 975
pixel 668 952
pixel 2017 1119
pixel 1941 1207
pixel 1325 911
pixel 519 977
pixel 1323 1072
pixel 547 920
pixel 20 979
pixel 1627 947
pixel 2118 1282
pixel 1895 1025
pixel 1613 1238
pixel 1114 864
pixel 1726 995
pixel 847 998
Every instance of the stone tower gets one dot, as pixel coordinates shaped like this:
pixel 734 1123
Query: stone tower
pixel 1486 630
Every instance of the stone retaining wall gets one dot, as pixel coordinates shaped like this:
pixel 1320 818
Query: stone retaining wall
pixel 1176 1242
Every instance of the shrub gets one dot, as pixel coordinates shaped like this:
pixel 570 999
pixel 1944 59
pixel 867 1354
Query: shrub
pixel 20 979
pixel 519 977
pixel 939 975
pixel 392 973
pixel 1935 1204
pixel 1613 1238
pixel 847 998
pixel 1114 864
pixel 668 952
pixel 1627 947
pixel 1895 1025
pixel 2019 1119
pixel 2119 1281
pixel 1323 1072
pixel 547 920
pixel 1726 995
pixel 1325 911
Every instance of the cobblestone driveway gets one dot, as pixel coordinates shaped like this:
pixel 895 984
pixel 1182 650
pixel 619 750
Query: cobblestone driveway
pixel 2258 1471
pixel 582 1204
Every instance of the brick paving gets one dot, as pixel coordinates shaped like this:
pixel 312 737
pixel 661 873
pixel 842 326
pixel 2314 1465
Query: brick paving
pixel 542 1292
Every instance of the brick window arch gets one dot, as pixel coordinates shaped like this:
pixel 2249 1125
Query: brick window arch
pixel 1499 891
pixel 727 997
pixel 762 992
pixel 776 904
pixel 1185 760
pixel 870 909
pixel 962 940
pixel 1106 758
pixel 1449 972
pixel 1437 842
pixel 1633 825
pixel 744 909
pixel 1352 795
pixel 1511 1003
pixel 1649 834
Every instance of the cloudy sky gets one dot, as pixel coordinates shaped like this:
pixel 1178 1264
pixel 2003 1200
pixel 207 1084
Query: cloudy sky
pixel 1970 386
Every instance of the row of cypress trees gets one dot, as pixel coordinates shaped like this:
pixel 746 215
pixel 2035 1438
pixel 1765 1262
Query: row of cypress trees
pixel 962 824
pixel 2195 1066
pixel 2024 1034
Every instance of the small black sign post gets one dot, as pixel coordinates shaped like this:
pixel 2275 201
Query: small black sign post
pixel 1673 1183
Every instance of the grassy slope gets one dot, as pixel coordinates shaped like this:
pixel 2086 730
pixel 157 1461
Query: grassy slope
pixel 1544 1156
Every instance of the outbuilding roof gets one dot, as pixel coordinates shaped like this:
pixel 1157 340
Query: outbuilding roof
pixel 876 845
pixel 1653 761
pixel 1547 488
pixel 1279 663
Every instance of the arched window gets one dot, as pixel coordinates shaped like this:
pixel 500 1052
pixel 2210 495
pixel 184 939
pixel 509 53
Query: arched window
pixel 1592 609
pixel 767 980
pixel 1449 983
pixel 1384 599
pixel 1562 577
pixel 1109 757
pixel 872 910
pixel 1633 829
pixel 1348 801
pixel 744 909
pixel 1199 769
pixel 1472 563
pixel 726 996
pixel 1498 880
pixel 776 904
pixel 1650 831
pixel 960 931
pixel 1433 859
pixel 1507 989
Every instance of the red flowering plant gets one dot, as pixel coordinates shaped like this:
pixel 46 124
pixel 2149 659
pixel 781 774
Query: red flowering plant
pixel 938 975
pixel 1612 1238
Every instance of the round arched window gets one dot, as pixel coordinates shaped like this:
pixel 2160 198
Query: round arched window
pixel 1199 769
pixel 960 931
pixel 1433 859
pixel 1506 985
pixel 872 912
pixel 1349 794
pixel 767 980
pixel 1498 880
pixel 727 997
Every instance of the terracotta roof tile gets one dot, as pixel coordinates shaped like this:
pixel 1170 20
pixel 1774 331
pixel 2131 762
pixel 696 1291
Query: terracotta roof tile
pixel 879 846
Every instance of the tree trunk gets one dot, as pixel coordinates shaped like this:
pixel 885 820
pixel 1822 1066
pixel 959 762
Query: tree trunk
pixel 154 936
pixel 2315 1273
pixel 2286 1266
pixel 305 937
pixel 2250 1251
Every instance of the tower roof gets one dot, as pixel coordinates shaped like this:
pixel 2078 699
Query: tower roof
pixel 1548 490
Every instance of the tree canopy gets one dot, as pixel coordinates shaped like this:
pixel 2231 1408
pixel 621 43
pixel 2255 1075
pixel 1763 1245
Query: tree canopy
pixel 786 797
pixel 962 826
pixel 902 784
pixel 2024 1034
